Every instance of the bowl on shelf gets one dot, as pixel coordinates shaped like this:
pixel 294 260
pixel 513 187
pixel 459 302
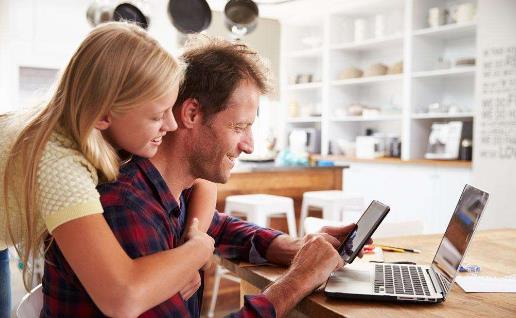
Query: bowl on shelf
pixel 377 69
pixel 351 72
pixel 396 68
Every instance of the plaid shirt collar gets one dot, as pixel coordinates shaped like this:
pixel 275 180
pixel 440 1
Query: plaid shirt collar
pixel 155 179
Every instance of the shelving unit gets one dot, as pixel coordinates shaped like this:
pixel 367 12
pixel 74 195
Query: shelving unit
pixel 366 119
pixel 431 75
pixel 450 72
pixel 367 80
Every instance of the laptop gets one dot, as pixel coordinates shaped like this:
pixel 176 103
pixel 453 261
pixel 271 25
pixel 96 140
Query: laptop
pixel 415 283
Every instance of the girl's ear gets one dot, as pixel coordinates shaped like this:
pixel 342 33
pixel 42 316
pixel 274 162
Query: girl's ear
pixel 104 122
pixel 189 113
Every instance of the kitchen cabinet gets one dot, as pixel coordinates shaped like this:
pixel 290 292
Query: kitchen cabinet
pixel 414 192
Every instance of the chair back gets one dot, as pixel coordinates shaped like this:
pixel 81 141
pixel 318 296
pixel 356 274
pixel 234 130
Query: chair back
pixel 31 304
pixel 314 225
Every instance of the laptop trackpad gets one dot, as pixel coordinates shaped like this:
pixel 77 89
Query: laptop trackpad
pixel 350 280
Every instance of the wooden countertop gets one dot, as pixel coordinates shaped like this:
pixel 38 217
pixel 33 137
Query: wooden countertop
pixel 243 167
pixel 492 250
pixel 387 160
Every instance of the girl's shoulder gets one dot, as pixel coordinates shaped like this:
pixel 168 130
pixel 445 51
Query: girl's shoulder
pixel 63 153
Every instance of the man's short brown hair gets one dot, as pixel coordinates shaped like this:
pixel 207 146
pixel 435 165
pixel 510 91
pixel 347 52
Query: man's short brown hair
pixel 215 67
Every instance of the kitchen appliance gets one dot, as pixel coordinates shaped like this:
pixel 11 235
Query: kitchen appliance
pixel 444 141
pixel 369 147
pixel 304 140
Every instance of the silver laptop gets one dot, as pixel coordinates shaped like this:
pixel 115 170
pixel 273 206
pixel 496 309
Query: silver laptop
pixel 415 283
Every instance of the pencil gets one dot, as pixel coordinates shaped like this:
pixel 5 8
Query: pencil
pixel 397 249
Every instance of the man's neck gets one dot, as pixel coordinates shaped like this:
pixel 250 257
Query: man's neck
pixel 173 167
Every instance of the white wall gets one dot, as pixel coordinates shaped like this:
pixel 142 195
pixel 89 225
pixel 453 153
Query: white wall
pixel 494 165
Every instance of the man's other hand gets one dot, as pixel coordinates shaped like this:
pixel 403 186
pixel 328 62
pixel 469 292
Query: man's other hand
pixel 315 261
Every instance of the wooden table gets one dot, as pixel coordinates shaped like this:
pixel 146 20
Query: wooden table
pixel 494 251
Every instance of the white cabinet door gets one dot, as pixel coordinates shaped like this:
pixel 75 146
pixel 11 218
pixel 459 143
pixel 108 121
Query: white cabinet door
pixel 422 193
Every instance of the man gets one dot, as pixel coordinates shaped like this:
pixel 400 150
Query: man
pixel 146 207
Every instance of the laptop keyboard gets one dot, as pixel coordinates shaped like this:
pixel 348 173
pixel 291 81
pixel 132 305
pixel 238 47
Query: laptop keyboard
pixel 396 279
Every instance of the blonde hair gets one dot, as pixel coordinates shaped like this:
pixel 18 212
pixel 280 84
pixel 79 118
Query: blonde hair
pixel 117 67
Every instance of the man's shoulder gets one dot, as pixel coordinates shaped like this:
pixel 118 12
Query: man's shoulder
pixel 131 183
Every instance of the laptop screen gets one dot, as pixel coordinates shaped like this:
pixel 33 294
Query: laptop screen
pixel 458 234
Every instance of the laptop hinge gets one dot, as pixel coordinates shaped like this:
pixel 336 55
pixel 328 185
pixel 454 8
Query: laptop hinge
pixel 436 281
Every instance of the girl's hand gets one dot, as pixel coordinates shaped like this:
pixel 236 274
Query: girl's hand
pixel 204 243
pixel 189 289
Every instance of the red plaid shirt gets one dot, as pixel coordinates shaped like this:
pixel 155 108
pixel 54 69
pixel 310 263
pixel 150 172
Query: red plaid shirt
pixel 146 219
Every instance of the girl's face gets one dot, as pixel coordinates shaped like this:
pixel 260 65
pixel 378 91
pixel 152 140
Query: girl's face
pixel 139 131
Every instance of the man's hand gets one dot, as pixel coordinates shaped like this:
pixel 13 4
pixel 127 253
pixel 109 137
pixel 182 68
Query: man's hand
pixel 335 235
pixel 311 267
pixel 189 289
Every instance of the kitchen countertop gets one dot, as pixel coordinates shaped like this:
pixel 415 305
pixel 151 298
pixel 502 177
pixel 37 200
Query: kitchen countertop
pixel 245 166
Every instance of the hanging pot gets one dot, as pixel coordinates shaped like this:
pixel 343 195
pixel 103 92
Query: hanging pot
pixel 241 16
pixel 189 16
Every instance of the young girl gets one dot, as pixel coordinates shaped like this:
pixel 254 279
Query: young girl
pixel 115 96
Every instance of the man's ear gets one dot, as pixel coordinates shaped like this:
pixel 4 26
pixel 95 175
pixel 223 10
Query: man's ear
pixel 189 113
pixel 104 122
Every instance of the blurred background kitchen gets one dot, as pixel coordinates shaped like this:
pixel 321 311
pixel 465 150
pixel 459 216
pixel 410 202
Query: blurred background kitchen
pixel 402 101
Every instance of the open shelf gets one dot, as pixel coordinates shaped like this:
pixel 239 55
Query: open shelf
pixel 442 115
pixel 366 80
pixel 389 160
pixel 315 52
pixel 361 118
pixel 380 43
pixel 449 72
pixel 449 31
pixel 303 86
pixel 312 119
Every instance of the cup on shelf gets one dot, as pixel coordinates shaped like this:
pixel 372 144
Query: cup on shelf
pixel 379 26
pixel 437 17
pixel 463 13
pixel 360 29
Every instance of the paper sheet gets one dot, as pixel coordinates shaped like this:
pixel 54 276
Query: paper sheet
pixel 486 284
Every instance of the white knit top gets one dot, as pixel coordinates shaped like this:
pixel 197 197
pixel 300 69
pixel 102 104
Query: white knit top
pixel 66 183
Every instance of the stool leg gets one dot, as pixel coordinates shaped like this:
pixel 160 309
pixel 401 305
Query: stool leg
pixel 302 217
pixel 215 292
pixel 291 222
pixel 257 217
